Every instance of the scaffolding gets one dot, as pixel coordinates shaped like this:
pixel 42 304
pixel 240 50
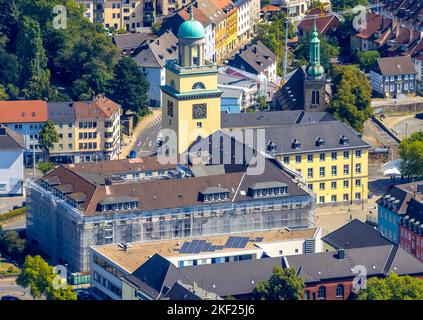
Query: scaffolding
pixel 65 234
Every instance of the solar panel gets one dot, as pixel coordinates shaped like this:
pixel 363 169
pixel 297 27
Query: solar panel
pixel 259 239
pixel 185 247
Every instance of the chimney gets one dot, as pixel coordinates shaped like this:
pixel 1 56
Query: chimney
pixel 341 254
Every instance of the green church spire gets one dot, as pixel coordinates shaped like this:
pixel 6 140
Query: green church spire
pixel 314 68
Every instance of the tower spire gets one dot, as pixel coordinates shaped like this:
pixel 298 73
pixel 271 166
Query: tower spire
pixel 191 13
pixel 314 68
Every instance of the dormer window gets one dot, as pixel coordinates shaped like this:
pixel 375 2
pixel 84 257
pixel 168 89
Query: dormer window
pixel 268 189
pixel 320 142
pixel 296 144
pixel 272 146
pixel 212 194
pixel 344 140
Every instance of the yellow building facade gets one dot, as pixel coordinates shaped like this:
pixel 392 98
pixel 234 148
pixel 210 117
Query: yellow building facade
pixel 122 15
pixel 334 175
pixel 191 99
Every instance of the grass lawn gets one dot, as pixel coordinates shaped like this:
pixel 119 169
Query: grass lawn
pixel 4 266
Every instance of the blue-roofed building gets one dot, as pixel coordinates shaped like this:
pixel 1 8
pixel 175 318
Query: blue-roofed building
pixel 231 100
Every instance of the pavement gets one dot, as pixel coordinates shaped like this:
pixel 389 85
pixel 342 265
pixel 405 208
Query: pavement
pixel 9 287
pixel 7 204
pixel 144 138
pixel 378 103
pixel 15 224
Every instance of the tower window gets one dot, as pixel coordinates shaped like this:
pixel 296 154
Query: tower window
pixel 315 98
pixel 170 108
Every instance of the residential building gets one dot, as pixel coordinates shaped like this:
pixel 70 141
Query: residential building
pixel 325 25
pixel 88 131
pixel 392 206
pixel 231 100
pixel 129 42
pixel 411 228
pixel 248 17
pixel 329 157
pixel 293 7
pixel 394 76
pixel 268 12
pixel 230 27
pixel 27 118
pixel 12 148
pixel 407 13
pixel 166 7
pixel 256 59
pixel 152 57
pixel 199 251
pixel 89 8
pixel 326 275
pixel 128 15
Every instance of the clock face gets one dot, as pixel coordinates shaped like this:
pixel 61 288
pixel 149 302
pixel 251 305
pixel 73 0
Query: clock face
pixel 199 111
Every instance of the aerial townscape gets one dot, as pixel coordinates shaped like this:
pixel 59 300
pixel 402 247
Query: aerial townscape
pixel 211 150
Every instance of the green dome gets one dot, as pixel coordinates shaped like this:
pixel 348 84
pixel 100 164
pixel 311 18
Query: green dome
pixel 191 29
pixel 315 71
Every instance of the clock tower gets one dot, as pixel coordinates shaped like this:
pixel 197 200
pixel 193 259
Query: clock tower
pixel 191 99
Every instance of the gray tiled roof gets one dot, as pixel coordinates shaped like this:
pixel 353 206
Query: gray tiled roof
pixel 10 140
pixel 258 57
pixel 130 40
pixel 393 66
pixel 61 112
pixel 355 234
pixel 155 53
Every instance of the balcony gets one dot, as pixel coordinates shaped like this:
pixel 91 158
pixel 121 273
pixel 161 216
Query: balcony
pixel 209 67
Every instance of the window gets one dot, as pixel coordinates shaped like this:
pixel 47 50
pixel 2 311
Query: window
pixel 333 185
pixel 307 295
pixel 339 291
pixel 170 108
pixel 334 155
pixel 322 199
pixel 346 169
pixel 358 153
pixel 358 168
pixel 310 172
pixel 322 171
pixel 321 293
pixel 333 198
pixel 345 197
pixel 346 183
pixel 198 86
pixel 334 171
pixel 322 157
pixel 358 182
pixel 199 125
pixel 346 155
pixel 310 186
pixel 286 160
pixel 315 98
pixel 310 158
pixel 357 196
pixel 297 159
pixel 322 186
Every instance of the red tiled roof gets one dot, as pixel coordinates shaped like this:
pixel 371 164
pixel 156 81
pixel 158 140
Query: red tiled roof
pixel 100 108
pixel 25 111
pixel 270 7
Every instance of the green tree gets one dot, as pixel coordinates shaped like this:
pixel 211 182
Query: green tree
pixel 261 103
pixel 366 59
pixel 3 93
pixel 12 244
pixel 38 276
pixel 338 5
pixel 411 151
pixel 352 94
pixel 393 287
pixel 48 135
pixel 129 87
pixel 10 69
pixel 283 284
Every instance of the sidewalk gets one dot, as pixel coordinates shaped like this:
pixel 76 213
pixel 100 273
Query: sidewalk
pixel 129 142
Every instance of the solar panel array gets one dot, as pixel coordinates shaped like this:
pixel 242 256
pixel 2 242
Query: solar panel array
pixel 197 246
pixel 237 242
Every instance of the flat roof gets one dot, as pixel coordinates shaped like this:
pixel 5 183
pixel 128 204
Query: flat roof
pixel 138 253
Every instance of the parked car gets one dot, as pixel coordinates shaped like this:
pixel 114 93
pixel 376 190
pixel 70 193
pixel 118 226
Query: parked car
pixel 132 154
pixel 83 294
pixel 9 298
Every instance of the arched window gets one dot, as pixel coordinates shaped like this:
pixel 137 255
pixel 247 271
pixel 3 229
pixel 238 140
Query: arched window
pixel 321 294
pixel 172 84
pixel 198 86
pixel 315 98
pixel 339 291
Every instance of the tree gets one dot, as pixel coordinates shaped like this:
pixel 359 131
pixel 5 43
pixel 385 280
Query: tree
pixel 366 59
pixel 261 103
pixel 393 287
pixel 3 93
pixel 282 285
pixel 338 5
pixel 129 87
pixel 411 151
pixel 352 94
pixel 38 275
pixel 12 244
pixel 48 135
pixel 10 69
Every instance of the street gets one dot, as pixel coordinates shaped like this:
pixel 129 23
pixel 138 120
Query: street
pixel 8 286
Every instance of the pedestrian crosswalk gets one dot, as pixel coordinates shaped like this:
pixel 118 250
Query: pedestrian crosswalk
pixel 155 122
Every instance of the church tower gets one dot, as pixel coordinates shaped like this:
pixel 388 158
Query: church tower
pixel 191 99
pixel 315 79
